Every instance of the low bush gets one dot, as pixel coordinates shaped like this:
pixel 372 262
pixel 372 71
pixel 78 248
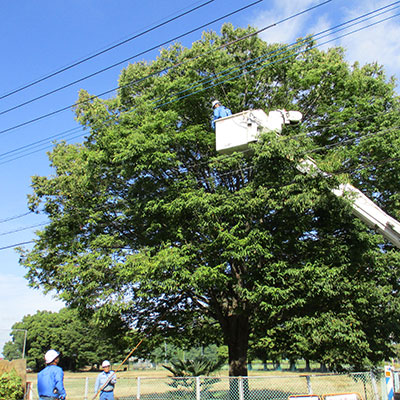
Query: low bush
pixel 11 386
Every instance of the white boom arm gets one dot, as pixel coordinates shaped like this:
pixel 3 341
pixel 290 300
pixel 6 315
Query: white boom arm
pixel 235 132
pixel 362 206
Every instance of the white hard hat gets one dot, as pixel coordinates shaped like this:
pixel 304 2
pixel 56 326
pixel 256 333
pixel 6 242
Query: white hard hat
pixel 215 102
pixel 50 356
pixel 105 363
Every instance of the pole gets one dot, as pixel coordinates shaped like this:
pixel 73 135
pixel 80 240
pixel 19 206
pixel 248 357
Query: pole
pixel 24 347
pixel 24 344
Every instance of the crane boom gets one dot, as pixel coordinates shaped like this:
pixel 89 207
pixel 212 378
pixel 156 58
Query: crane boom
pixel 235 132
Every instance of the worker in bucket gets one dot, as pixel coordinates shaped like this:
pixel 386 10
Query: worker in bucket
pixel 105 382
pixel 220 111
pixel 50 380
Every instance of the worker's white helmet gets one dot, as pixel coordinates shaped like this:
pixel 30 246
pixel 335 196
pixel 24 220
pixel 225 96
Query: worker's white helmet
pixel 105 363
pixel 215 102
pixel 295 116
pixel 50 356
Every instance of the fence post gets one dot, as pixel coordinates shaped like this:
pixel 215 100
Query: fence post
pixel 138 388
pixel 241 393
pixel 309 388
pixel 28 391
pixel 374 386
pixel 86 387
pixel 197 388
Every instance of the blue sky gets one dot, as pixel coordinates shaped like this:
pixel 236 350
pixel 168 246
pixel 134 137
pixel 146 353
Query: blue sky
pixel 39 38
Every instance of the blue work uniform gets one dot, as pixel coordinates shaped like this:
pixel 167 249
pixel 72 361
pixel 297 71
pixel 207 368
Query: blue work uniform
pixel 107 392
pixel 50 383
pixel 220 112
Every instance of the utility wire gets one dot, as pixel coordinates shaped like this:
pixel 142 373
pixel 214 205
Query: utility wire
pixel 14 217
pixel 92 97
pixel 16 244
pixel 262 58
pixel 112 66
pixel 279 60
pixel 285 49
pixel 166 69
pixel 43 147
pixel 23 229
pixel 156 73
pixel 337 144
pixel 100 52
pixel 40 145
pixel 249 168
pixel 68 131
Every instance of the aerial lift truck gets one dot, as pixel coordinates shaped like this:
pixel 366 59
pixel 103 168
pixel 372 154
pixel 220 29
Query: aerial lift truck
pixel 237 131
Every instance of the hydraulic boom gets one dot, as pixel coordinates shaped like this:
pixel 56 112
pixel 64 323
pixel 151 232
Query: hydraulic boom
pixel 235 132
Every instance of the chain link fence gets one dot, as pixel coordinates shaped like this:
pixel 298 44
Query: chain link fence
pixel 279 387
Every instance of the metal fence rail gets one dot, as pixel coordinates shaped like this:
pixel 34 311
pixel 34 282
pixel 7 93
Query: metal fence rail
pixel 278 387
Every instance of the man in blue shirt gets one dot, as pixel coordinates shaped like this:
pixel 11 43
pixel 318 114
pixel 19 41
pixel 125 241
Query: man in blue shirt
pixel 50 380
pixel 105 382
pixel 220 111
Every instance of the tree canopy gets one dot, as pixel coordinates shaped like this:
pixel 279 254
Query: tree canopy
pixel 148 222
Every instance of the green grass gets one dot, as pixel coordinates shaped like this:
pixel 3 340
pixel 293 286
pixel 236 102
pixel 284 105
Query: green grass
pixel 263 385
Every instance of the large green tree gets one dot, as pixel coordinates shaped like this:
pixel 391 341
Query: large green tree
pixel 146 219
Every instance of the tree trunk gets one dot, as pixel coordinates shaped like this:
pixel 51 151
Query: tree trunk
pixel 236 332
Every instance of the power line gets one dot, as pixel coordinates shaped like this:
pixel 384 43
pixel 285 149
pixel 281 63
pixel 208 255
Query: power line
pixel 22 229
pixel 110 67
pixel 99 53
pixel 44 147
pixel 279 60
pixel 166 69
pixel 380 163
pixel 14 217
pixel 40 141
pixel 163 71
pixel 261 58
pixel 285 49
pixel 16 244
pixel 155 73
pixel 248 168
pixel 40 145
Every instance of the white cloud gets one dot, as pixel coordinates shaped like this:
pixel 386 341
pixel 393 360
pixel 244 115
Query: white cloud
pixel 18 300
pixel 288 31
pixel 377 43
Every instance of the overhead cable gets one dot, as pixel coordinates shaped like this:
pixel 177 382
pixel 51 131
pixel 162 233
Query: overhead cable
pixel 279 60
pixel 103 51
pixel 16 244
pixel 96 96
pixel 14 217
pixel 12 157
pixel 23 229
pixel 167 68
pixel 262 58
pixel 112 66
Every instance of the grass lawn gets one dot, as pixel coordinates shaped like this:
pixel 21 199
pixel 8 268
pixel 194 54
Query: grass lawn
pixel 264 385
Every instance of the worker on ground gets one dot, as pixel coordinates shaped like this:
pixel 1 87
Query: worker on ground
pixel 220 111
pixel 50 380
pixel 105 382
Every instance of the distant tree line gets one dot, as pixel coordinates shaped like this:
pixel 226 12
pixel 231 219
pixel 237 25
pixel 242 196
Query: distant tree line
pixel 85 343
